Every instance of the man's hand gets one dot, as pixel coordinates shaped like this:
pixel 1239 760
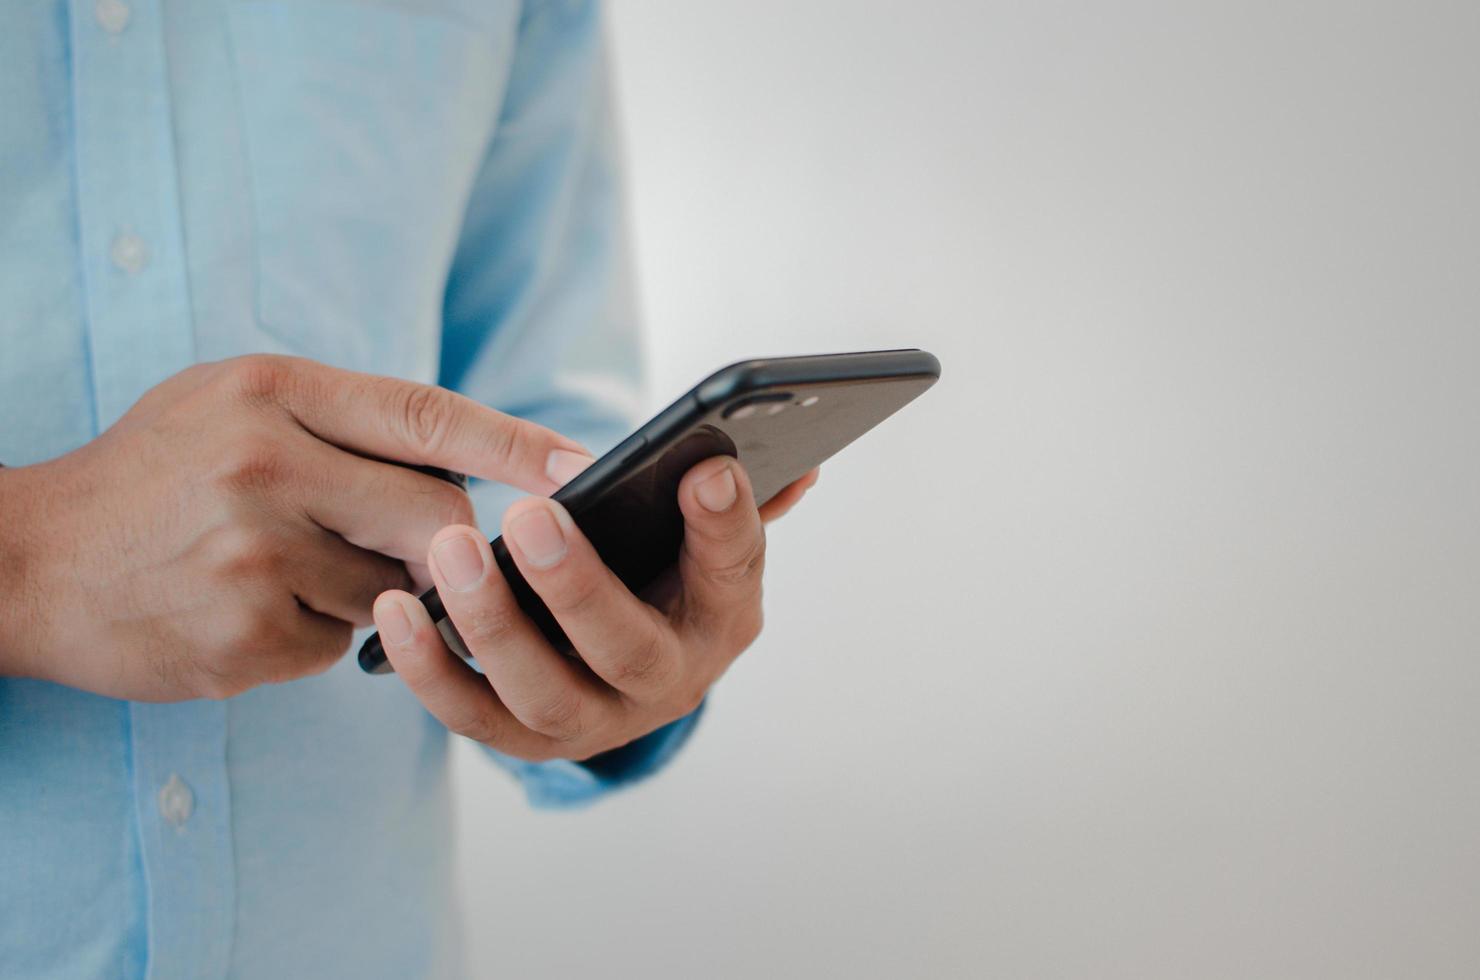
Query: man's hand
pixel 237 523
pixel 640 666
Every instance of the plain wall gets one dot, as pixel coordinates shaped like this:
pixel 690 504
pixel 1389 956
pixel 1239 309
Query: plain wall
pixel 1146 644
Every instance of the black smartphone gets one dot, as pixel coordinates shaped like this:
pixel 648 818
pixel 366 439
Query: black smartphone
pixel 779 416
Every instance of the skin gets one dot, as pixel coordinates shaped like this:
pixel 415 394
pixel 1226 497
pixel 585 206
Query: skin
pixel 639 666
pixel 236 525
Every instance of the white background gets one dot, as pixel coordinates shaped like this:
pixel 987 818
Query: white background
pixel 1146 644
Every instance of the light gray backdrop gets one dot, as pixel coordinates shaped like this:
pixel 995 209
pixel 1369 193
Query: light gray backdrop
pixel 1146 644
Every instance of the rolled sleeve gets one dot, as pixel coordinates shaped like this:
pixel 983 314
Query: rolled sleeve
pixel 563 784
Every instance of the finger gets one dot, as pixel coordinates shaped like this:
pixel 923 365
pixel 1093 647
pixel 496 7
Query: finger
pixel 303 641
pixel 379 506
pixel 421 576
pixel 624 640
pixel 333 577
pixel 450 689
pixel 323 639
pixel 547 691
pixel 724 546
pixel 789 496
pixel 410 423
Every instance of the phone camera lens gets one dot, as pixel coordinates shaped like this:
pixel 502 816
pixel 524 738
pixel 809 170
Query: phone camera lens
pixel 766 404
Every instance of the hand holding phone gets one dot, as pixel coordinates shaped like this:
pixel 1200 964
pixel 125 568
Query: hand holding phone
pixel 566 575
pixel 626 501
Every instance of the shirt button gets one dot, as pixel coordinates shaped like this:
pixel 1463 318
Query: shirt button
pixel 176 802
pixel 128 253
pixel 112 15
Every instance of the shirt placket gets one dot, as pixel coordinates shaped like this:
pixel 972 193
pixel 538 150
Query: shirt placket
pixel 139 332
pixel 182 804
pixel 129 228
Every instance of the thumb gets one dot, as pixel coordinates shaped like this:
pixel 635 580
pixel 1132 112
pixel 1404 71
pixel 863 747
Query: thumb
pixel 724 544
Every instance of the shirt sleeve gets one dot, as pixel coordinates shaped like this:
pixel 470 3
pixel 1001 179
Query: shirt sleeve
pixel 539 316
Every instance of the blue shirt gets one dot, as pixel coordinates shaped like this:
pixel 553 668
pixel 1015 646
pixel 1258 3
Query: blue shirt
pixel 421 188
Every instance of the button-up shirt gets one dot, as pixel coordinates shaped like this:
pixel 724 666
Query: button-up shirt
pixel 420 188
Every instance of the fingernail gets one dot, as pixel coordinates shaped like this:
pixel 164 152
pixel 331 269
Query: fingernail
pixel 717 492
pixel 564 465
pixel 460 561
pixel 395 621
pixel 538 536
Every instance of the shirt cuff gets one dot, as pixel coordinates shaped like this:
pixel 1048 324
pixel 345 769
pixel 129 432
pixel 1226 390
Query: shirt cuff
pixel 561 783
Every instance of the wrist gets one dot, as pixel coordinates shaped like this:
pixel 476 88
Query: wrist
pixel 20 619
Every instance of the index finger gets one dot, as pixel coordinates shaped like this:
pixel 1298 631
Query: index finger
pixel 456 694
pixel 407 422
pixel 789 496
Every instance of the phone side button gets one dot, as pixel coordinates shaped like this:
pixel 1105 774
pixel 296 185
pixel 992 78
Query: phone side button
pixel 635 451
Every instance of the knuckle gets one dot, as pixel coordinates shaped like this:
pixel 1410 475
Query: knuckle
pixel 256 377
pixel 481 726
pixel 251 464
pixel 244 553
pixel 557 715
pixel 572 594
pixel 453 505
pixel 645 665
pixel 237 633
pixel 502 441
pixel 326 652
pixel 255 637
pixel 248 641
pixel 437 500
pixel 423 415
pixel 488 625
pixel 745 567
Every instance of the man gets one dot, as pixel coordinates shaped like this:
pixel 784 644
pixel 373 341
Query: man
pixel 203 206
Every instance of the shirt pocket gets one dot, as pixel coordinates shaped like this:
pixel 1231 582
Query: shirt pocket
pixel 364 124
